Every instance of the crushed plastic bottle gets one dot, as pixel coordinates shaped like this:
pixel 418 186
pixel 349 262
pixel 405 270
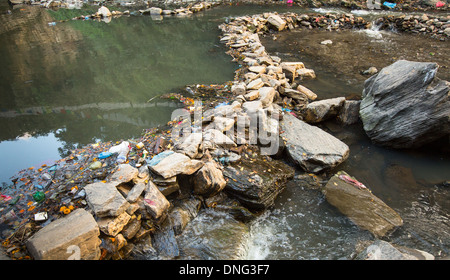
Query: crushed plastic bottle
pixel 38 196
pixel 122 149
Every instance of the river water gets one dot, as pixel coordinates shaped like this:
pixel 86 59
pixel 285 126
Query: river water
pixel 79 82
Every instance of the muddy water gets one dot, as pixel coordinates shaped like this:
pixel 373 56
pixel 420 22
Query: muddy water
pixel 302 224
pixel 339 65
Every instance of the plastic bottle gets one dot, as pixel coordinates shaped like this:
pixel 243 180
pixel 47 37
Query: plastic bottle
pixel 39 196
pixel 122 149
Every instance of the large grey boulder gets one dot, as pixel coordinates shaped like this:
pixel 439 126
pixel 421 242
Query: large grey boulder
pixel 310 147
pixel 360 205
pixel 72 237
pixel 405 106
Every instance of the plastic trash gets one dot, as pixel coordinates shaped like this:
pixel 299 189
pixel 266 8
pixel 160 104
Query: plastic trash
pixel 156 159
pixel 139 145
pixel 221 104
pixel 104 155
pixel 440 4
pixel 122 149
pixel 39 196
pixel 390 5
pixel 42 216
pixel 46 176
pixel 52 23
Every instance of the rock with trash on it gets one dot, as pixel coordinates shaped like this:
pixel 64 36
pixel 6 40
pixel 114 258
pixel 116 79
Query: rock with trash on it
pixel 72 237
pixel 353 199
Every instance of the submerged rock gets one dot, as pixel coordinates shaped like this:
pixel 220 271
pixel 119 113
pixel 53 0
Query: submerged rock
pixel 405 106
pixel 213 235
pixel 362 207
pixel 310 147
pixel 382 250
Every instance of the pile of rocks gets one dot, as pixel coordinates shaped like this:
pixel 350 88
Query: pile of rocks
pixel 436 26
pixel 190 9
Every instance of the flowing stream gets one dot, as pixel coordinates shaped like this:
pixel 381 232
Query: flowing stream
pixel 79 82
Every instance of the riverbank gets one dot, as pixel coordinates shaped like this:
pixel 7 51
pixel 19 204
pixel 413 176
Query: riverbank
pixel 72 174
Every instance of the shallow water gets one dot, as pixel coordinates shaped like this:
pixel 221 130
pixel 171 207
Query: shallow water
pixel 404 179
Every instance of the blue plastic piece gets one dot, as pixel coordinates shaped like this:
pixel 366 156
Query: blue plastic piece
pixel 390 5
pixel 156 159
pixel 104 155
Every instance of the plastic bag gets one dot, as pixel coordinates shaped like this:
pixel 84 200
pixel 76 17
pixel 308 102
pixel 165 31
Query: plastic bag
pixel 122 149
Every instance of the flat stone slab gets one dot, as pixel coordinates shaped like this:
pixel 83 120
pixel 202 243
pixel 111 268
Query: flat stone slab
pixel 72 237
pixel 105 199
pixel 361 206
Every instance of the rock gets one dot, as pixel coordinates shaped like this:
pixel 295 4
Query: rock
pixel 189 145
pixel 155 202
pixel 165 242
pixel 124 173
pixel 184 212
pixel 405 106
pixel 310 147
pixel 238 89
pixel 223 124
pixel 217 138
pixel 447 31
pixel 113 225
pixel 105 199
pixel 72 237
pixel 266 95
pixel 104 12
pixel 349 113
pixel 257 70
pixel 299 97
pixel 135 192
pixel 311 95
pixel 361 206
pixel 252 95
pixel 214 235
pixel 306 73
pixel 256 182
pixel 319 111
pixel 208 180
pixel 252 106
pixel 382 250
pixel 255 84
pixel 176 164
pixel 132 228
pixel 277 22
pixel 152 11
